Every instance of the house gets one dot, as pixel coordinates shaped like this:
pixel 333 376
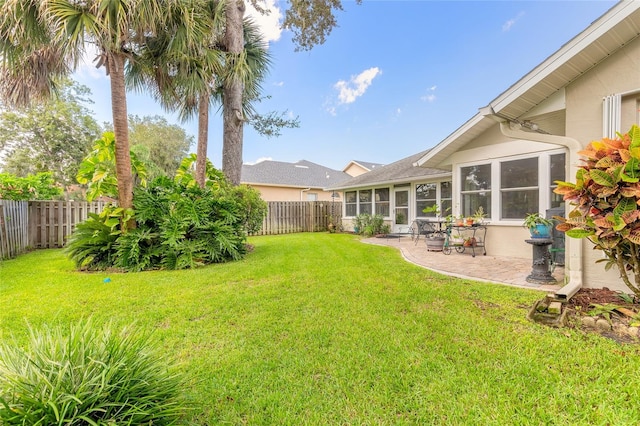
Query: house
pixel 507 156
pixel 356 168
pixel 299 181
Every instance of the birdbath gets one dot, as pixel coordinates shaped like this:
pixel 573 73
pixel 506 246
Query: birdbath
pixel 540 273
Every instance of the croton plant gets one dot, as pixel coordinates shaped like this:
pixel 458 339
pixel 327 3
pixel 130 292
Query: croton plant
pixel 605 200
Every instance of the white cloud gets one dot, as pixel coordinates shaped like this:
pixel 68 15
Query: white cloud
pixel 87 67
pixel 349 91
pixel 270 23
pixel 430 96
pixel 279 83
pixel 511 22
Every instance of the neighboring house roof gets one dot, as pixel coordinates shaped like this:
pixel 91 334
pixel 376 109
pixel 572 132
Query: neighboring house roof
pixel 364 164
pixel 402 171
pixel 301 174
pixel 613 30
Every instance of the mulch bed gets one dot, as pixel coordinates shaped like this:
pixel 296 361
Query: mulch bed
pixel 585 297
pixel 582 303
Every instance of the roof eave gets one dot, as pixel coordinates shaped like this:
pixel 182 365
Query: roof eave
pixel 388 182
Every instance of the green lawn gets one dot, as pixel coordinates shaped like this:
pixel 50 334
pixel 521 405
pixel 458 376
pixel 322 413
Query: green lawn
pixel 320 329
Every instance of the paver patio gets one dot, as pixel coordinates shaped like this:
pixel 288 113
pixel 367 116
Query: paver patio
pixel 502 270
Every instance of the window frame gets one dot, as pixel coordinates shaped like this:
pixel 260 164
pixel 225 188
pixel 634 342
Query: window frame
pixel 495 192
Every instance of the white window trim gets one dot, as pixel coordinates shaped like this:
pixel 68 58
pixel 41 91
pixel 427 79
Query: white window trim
pixel 373 200
pixel 544 183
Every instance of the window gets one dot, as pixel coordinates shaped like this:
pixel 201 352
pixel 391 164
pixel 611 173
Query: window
pixel 370 201
pixel 519 190
pixel 512 187
pixel 382 201
pixel 556 172
pixel 364 202
pixel 445 198
pixel 312 196
pixel 351 203
pixel 475 189
pixel 425 197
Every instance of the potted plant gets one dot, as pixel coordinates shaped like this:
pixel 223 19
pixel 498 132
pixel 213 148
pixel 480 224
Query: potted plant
pixel 479 216
pixel 538 226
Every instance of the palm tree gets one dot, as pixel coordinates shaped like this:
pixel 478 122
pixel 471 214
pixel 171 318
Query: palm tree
pixel 189 78
pixel 41 40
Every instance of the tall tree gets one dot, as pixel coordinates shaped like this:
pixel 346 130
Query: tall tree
pixel 191 80
pixel 233 117
pixel 53 136
pixel 43 39
pixel 310 21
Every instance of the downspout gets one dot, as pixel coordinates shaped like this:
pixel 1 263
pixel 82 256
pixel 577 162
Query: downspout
pixel 574 245
pixel 302 191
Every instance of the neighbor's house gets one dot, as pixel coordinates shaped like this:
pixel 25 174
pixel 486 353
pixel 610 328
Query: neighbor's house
pixel 507 157
pixel 300 181
pixel 357 168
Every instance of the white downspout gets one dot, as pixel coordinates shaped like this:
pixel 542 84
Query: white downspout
pixel 574 245
pixel 302 191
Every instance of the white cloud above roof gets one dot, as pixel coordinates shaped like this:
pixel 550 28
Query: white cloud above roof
pixel 349 91
pixel 511 22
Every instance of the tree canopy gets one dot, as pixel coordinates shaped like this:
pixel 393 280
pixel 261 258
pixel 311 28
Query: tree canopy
pixel 53 136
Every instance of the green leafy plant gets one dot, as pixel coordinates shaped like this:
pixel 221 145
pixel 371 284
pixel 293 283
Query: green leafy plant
pixel 32 187
pixel 533 219
pixel 604 311
pixel 369 225
pixel 605 199
pixel 98 169
pixel 92 246
pixel 83 375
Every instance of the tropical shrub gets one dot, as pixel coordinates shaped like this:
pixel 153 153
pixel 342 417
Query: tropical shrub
pixel 369 225
pixel 605 200
pixel 92 246
pixel 98 169
pixel 179 226
pixel 82 375
pixel 32 187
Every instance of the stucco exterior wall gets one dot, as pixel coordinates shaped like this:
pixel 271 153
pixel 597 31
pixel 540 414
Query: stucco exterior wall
pixel 279 193
pixel 620 73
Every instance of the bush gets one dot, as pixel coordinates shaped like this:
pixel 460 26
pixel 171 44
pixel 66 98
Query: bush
pixel 605 201
pixel 92 245
pixel 178 226
pixel 82 375
pixel 32 187
pixel 369 225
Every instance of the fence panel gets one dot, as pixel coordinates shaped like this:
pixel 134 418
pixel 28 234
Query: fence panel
pixel 14 235
pixel 51 222
pixel 286 217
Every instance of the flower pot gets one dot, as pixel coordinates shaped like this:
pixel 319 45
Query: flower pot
pixel 540 231
pixel 435 243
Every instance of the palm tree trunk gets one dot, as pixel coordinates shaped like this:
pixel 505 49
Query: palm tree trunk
pixel 203 139
pixel 121 131
pixel 232 96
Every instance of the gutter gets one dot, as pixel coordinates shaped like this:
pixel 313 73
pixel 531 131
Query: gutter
pixel 575 246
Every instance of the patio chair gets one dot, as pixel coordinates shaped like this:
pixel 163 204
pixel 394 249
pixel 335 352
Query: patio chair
pixel 422 227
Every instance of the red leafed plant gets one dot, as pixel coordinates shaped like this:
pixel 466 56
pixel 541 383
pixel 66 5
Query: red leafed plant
pixel 605 198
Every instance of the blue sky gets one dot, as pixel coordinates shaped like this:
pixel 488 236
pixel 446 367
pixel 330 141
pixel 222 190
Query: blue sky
pixel 395 78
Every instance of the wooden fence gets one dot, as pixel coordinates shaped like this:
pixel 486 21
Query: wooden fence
pixel 48 224
pixel 51 222
pixel 286 217
pixel 14 228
